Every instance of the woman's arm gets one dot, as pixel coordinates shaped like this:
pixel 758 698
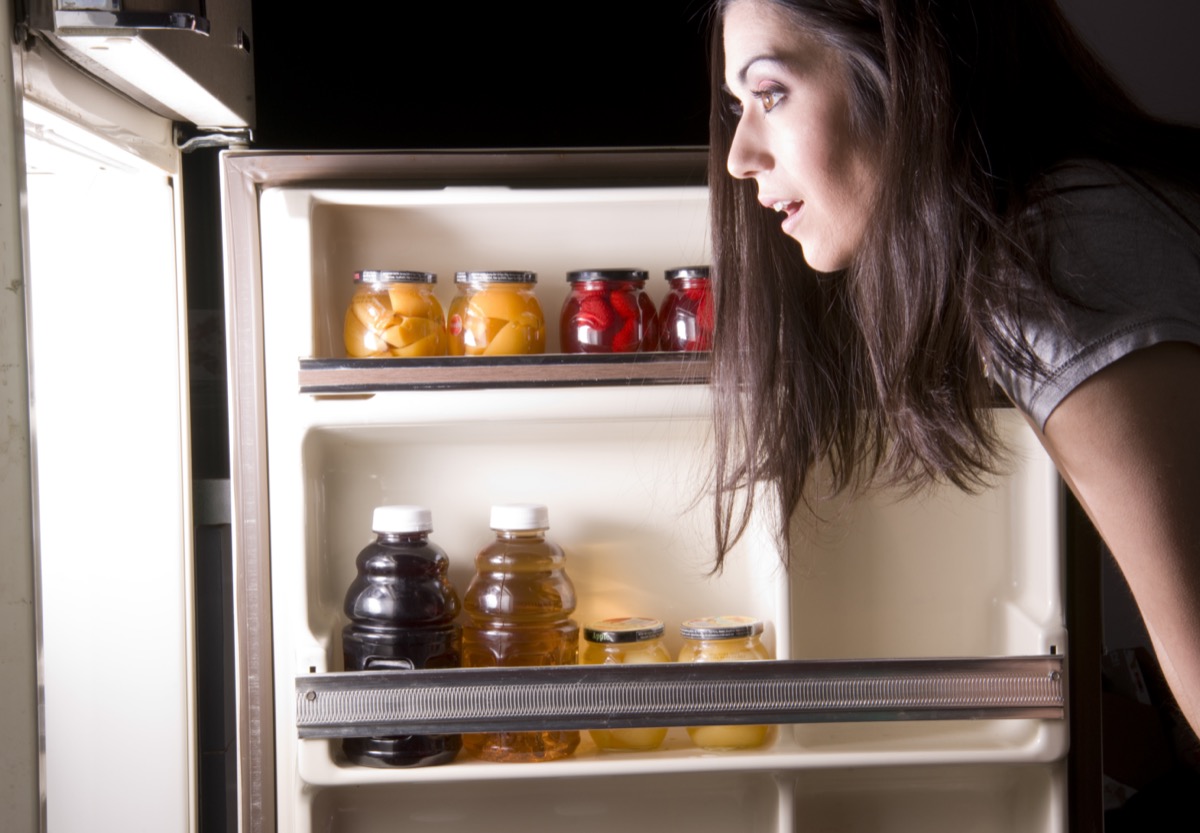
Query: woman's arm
pixel 1127 441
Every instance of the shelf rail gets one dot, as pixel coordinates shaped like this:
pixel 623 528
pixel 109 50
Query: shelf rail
pixel 377 703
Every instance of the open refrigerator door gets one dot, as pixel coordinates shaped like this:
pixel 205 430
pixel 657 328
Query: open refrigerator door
pixel 97 105
pixel 619 451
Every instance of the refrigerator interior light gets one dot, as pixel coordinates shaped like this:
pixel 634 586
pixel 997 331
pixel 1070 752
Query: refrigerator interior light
pixel 137 67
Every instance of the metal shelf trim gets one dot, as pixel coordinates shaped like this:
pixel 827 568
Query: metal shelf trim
pixel 363 704
pixel 357 376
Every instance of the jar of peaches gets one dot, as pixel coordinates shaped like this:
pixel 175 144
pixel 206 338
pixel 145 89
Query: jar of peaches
pixel 608 311
pixel 394 314
pixel 724 639
pixel 625 641
pixel 685 318
pixel 496 314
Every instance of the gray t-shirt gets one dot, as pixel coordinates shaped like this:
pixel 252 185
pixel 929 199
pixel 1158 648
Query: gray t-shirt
pixel 1127 249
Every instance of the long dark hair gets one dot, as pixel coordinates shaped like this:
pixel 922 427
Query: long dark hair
pixel 878 373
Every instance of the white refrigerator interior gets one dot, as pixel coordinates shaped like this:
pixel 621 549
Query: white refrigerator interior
pixel 622 469
pixel 110 456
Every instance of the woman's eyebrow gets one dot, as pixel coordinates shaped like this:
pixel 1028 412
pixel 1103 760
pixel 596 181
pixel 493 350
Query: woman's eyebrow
pixel 768 57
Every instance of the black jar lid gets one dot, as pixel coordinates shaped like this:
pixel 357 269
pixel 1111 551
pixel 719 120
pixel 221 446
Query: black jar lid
pixel 581 275
pixel 496 277
pixel 393 276
pixel 694 272
pixel 624 629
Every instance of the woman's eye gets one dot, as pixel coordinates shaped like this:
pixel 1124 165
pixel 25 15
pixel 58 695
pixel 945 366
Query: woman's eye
pixel 734 108
pixel 768 98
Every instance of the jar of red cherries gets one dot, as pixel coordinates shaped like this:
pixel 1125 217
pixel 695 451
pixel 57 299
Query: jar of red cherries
pixel 608 311
pixel 686 318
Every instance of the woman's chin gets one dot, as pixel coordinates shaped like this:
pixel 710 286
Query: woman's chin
pixel 822 260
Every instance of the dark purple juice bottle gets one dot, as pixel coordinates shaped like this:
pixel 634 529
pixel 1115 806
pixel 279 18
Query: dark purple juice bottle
pixel 402 608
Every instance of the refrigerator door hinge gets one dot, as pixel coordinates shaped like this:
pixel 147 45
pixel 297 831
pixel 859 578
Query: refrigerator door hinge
pixel 189 137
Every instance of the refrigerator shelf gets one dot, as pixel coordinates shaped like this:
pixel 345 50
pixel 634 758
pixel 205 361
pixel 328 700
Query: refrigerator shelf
pixel 333 376
pixel 362 704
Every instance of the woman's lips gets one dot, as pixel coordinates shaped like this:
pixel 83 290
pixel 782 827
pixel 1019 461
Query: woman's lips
pixel 788 208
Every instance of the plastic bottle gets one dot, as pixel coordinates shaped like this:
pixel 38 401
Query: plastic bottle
pixel 519 605
pixel 401 608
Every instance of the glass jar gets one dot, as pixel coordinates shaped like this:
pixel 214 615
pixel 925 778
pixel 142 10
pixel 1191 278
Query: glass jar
pixel 608 311
pixel 401 607
pixel 685 319
pixel 519 607
pixel 496 314
pixel 394 314
pixel 625 641
pixel 724 639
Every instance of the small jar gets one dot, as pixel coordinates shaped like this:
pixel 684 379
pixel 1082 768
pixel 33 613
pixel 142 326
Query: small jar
pixel 394 314
pixel 724 639
pixel 608 311
pixel 625 641
pixel 496 314
pixel 685 320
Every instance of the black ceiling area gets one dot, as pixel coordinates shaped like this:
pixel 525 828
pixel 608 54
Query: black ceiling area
pixel 446 75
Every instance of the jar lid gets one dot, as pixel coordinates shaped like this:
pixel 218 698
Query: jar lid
pixel 581 275
pixel 721 627
pixel 402 518
pixel 518 516
pixel 696 272
pixel 393 276
pixel 624 629
pixel 496 277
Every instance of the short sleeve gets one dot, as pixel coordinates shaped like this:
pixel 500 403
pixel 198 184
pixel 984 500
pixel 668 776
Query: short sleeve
pixel 1124 253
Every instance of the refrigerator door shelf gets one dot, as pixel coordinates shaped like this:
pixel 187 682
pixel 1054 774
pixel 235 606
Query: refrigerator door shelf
pixel 364 704
pixel 942 799
pixel 353 376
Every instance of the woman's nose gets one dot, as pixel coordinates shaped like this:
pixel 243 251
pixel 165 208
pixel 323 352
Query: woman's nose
pixel 747 154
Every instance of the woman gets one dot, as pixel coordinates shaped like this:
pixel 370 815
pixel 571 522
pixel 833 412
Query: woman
pixel 975 201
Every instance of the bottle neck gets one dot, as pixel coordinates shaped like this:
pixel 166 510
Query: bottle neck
pixel 520 534
pixel 412 537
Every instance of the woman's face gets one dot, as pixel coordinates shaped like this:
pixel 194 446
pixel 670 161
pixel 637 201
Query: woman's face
pixel 793 135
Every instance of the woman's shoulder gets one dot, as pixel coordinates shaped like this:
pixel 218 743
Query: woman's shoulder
pixel 1122 255
pixel 1082 190
pixel 1102 222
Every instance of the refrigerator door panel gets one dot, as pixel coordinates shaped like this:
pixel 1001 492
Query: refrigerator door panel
pixel 107 370
pixel 20 804
pixel 622 467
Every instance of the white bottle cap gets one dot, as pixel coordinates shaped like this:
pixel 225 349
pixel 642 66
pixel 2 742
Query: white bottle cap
pixel 517 516
pixel 402 518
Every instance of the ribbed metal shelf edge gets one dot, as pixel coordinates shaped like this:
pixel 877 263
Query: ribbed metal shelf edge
pixel 362 704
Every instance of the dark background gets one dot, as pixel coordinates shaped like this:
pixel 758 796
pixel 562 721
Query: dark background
pixel 494 75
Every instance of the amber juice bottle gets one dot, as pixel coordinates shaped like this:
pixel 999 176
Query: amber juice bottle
pixel 518 606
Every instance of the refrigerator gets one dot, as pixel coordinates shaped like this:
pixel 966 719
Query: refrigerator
pixel 617 448
pixel 105 514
